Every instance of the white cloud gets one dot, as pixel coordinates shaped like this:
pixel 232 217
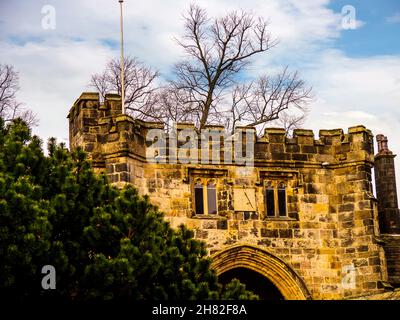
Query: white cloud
pixel 150 26
pixel 55 65
pixel 360 24
pixel 52 75
pixel 395 18
pixel 370 84
pixel 353 114
pixel 357 91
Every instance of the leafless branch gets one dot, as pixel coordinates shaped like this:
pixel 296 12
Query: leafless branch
pixel 216 53
pixel 140 89
pixel 206 86
pixel 291 121
pixel 10 108
pixel 268 98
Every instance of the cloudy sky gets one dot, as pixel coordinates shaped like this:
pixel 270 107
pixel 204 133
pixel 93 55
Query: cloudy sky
pixel 355 72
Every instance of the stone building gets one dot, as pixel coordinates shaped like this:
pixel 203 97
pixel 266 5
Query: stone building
pixel 300 222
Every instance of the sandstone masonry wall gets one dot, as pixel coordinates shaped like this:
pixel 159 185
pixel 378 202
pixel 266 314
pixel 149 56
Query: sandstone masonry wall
pixel 330 233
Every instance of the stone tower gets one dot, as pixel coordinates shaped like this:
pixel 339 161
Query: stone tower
pixel 385 180
pixel 301 219
pixel 388 212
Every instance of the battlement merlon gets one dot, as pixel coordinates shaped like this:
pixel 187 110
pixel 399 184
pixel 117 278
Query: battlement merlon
pixel 104 132
pixel 91 101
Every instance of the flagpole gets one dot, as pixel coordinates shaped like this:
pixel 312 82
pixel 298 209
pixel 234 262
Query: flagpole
pixel 122 60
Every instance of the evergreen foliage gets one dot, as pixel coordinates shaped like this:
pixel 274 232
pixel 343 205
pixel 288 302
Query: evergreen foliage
pixel 105 243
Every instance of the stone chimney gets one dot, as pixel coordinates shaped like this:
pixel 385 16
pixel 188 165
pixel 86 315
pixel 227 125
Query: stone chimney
pixel 385 181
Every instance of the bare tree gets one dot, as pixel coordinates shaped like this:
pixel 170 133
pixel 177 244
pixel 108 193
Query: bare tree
pixel 10 108
pixel 206 85
pixel 268 99
pixel 140 91
pixel 171 106
pixel 217 51
pixel 290 121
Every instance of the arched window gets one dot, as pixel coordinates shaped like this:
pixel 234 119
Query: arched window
pixel 270 199
pixel 205 196
pixel 211 197
pixel 282 199
pixel 275 199
pixel 198 197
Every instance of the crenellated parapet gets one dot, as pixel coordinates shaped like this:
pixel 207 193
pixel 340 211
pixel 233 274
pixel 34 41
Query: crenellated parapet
pixel 85 121
pixel 332 147
pixel 103 131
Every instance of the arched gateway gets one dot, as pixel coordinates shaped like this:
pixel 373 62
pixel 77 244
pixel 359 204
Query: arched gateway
pixel 284 278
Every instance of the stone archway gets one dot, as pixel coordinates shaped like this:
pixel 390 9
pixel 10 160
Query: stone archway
pixel 283 277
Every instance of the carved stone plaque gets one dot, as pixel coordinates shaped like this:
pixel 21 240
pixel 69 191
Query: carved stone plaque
pixel 244 199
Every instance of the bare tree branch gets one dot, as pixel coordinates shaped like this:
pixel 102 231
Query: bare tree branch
pixel 140 91
pixel 291 121
pixel 10 108
pixel 268 98
pixel 206 86
pixel 217 51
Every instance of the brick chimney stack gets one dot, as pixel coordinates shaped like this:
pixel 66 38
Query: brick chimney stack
pixel 385 181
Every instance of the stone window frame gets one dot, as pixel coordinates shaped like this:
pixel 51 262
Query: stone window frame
pixel 292 179
pixel 205 183
pixel 275 185
pixel 192 174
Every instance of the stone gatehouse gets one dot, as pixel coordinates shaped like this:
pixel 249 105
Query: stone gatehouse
pixel 301 223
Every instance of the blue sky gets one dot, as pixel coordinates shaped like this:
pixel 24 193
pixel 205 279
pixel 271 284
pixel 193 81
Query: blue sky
pixel 380 33
pixel 355 73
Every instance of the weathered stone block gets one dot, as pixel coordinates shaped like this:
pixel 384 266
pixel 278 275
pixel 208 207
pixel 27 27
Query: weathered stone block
pixel 285 233
pixel 269 233
pixel 209 224
pixel 222 224
pixel 346 207
pixel 119 167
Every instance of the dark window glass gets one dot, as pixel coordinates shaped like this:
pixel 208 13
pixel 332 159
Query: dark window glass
pixel 198 199
pixel 270 201
pixel 282 201
pixel 212 198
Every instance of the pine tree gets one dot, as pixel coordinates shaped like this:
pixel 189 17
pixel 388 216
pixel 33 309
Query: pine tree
pixel 105 243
